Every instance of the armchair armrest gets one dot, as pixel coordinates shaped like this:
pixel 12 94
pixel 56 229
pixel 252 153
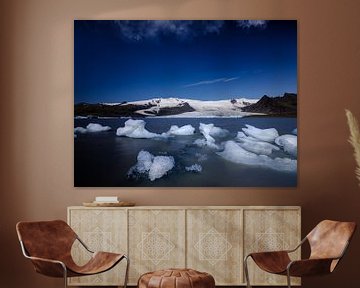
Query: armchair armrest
pixel 83 244
pixel 49 267
pixel 298 246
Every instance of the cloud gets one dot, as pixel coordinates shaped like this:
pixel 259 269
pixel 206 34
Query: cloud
pixel 149 29
pixel 137 30
pixel 247 24
pixel 212 26
pixel 206 82
pixel 231 79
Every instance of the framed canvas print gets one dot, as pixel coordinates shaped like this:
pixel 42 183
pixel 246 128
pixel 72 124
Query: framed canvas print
pixel 190 103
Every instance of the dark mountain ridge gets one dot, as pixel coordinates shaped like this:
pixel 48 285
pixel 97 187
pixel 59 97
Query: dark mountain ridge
pixel 285 105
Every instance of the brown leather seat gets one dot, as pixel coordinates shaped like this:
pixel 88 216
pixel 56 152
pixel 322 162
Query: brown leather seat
pixel 176 278
pixel 328 242
pixel 48 245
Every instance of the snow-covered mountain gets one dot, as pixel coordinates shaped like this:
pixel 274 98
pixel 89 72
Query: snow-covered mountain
pixel 176 107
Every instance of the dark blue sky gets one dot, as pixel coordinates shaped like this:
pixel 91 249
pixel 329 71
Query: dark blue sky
pixel 132 60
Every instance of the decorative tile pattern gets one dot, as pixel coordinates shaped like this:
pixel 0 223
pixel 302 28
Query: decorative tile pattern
pixel 156 246
pixel 269 241
pixel 213 246
pixel 157 241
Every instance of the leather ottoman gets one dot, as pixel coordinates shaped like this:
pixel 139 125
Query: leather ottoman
pixel 176 278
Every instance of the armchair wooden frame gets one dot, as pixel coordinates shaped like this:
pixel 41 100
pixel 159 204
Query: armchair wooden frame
pixel 320 261
pixel 59 267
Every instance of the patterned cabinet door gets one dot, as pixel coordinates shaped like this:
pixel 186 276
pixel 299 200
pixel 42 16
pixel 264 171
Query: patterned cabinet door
pixel 156 240
pixel 101 230
pixel 214 244
pixel 270 230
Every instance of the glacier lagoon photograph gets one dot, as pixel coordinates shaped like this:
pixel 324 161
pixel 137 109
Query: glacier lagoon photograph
pixel 185 103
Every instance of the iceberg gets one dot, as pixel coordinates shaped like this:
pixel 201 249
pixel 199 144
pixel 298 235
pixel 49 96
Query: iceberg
pixel 235 153
pixel 144 161
pixel 92 128
pixel 288 142
pixel 201 157
pixel 160 166
pixel 209 131
pixel 183 130
pixel 294 131
pixel 135 129
pixel 256 146
pixel 267 135
pixel 81 130
pixel 212 130
pixel 194 168
pixel 210 142
pixel 154 167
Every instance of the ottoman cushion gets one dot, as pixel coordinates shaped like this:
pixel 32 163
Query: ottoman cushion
pixel 176 278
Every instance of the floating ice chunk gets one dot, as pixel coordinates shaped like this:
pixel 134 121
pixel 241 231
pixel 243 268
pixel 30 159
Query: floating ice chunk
pixel 241 135
pixel 135 129
pixel 294 131
pixel 91 128
pixel 212 130
pixel 261 148
pixel 288 142
pixel 200 142
pixel 194 168
pixel 210 142
pixel 94 127
pixel 81 130
pixel 201 157
pixel 160 166
pixel 145 160
pixel 153 166
pixel 283 164
pixel 267 135
pixel 235 153
pixel 256 146
pixel 183 130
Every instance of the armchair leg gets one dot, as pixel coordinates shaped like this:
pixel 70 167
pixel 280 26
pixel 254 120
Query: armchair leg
pixel 126 271
pixel 246 270
pixel 288 278
pixel 65 276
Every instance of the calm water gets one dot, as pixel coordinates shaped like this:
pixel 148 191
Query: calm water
pixel 103 159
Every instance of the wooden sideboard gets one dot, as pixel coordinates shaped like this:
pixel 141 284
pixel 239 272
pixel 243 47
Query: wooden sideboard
pixel 212 239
